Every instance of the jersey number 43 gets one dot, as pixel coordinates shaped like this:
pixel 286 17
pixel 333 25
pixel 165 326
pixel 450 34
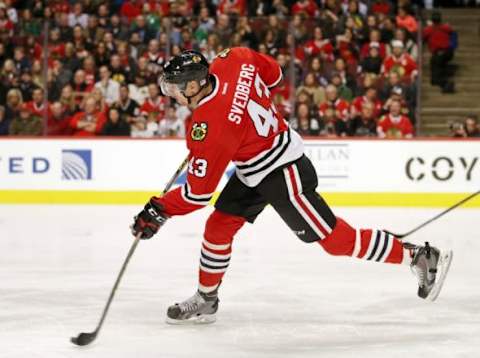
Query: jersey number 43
pixel 264 119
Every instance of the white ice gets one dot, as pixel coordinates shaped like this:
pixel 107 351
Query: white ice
pixel 280 297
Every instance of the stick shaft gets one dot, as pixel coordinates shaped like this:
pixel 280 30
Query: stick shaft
pixel 133 248
pixel 119 277
pixel 464 200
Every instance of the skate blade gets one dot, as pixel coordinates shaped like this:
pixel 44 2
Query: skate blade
pixel 202 319
pixel 443 265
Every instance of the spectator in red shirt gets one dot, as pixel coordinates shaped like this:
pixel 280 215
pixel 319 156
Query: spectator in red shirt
pixel 131 9
pixel 80 86
pixel 318 46
pixel 400 62
pixel 56 47
pixel 438 36
pixel 375 38
pixel 232 7
pixel 37 107
pixel 60 6
pixel 381 7
pixel 307 7
pixel 58 121
pixel 370 96
pixel 340 106
pixel 394 124
pixel 90 122
pixel 406 20
pixel 154 104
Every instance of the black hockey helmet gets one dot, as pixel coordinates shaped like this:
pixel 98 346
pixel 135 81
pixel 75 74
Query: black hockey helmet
pixel 183 68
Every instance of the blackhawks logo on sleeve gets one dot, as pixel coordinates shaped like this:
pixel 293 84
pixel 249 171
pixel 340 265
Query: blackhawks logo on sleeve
pixel 199 131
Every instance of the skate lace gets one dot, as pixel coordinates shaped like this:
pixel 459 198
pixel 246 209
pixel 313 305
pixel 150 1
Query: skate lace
pixel 189 305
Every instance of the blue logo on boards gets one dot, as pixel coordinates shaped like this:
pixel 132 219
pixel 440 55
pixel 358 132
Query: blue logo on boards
pixel 76 164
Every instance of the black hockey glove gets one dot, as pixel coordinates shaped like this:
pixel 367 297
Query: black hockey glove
pixel 149 220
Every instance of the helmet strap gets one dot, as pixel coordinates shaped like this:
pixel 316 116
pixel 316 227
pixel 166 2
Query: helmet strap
pixel 203 84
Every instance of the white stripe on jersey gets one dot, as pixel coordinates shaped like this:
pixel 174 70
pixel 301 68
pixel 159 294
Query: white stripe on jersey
pixel 261 154
pixel 212 94
pixel 388 250
pixel 382 242
pixel 196 199
pixel 211 246
pixel 358 243
pixel 293 152
pixel 205 261
pixel 373 237
pixel 210 270
pixel 309 206
pixel 277 81
pixel 215 256
pixel 295 202
pixel 272 153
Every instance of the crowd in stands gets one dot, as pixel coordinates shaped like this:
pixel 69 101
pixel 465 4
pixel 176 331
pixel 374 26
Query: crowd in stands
pixel 468 128
pixel 350 66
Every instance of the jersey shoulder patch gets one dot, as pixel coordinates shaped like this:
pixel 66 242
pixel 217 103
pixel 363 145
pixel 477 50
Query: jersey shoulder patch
pixel 224 53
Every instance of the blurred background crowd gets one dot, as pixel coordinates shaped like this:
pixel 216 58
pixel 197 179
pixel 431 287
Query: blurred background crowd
pixel 90 67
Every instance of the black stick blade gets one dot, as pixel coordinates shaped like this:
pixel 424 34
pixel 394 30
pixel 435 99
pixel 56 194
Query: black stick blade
pixel 84 339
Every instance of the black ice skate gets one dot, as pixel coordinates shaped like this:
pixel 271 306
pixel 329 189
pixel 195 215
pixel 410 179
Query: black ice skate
pixel 198 309
pixel 430 266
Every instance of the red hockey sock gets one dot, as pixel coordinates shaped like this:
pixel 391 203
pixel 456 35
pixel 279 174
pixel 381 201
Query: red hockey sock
pixel 217 248
pixel 367 244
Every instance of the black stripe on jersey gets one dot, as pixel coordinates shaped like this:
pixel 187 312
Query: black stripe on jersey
pixel 202 263
pixel 270 163
pixel 385 244
pixel 266 156
pixel 214 260
pixel 198 200
pixel 377 239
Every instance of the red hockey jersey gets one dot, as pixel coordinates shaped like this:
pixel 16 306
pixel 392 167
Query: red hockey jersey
pixel 342 108
pixel 155 107
pixel 358 102
pixel 405 65
pixel 236 122
pixel 394 126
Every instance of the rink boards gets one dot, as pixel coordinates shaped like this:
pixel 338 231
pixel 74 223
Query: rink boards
pixel 424 173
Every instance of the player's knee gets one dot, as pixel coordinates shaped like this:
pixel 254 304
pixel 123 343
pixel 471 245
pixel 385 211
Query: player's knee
pixel 220 227
pixel 341 240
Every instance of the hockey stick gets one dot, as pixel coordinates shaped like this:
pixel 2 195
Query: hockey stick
pixel 86 338
pixel 464 200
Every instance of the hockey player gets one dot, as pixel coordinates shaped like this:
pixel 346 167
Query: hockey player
pixel 234 120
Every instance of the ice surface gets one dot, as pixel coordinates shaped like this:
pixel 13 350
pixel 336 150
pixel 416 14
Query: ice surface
pixel 280 298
